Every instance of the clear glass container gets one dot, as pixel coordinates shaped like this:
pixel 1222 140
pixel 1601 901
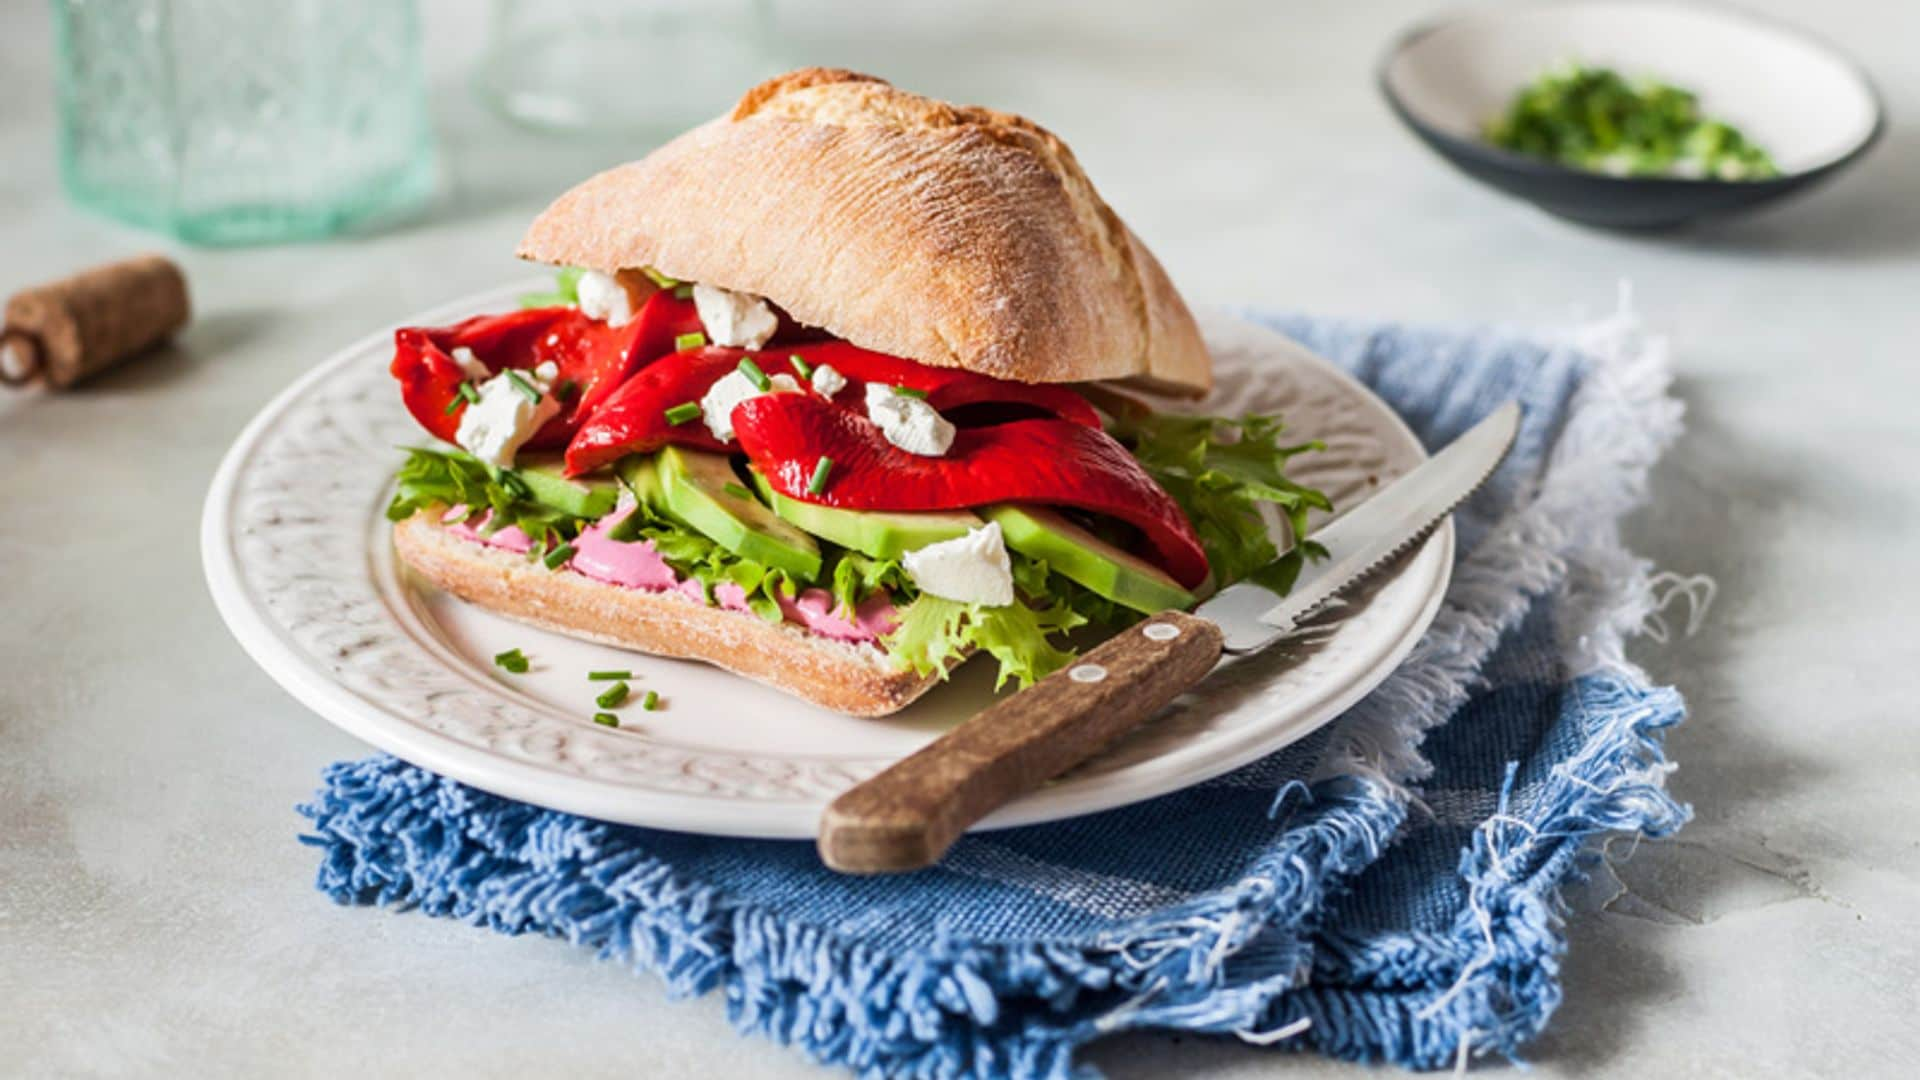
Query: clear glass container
pixel 243 121
pixel 645 68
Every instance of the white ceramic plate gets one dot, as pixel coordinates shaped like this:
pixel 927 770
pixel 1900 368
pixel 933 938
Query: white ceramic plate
pixel 298 558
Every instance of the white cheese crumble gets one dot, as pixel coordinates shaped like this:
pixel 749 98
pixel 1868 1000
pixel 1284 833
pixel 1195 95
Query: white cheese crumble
pixel 547 371
pixel 716 406
pixel 828 381
pixel 603 297
pixel 494 428
pixel 470 364
pixel 908 422
pixel 973 569
pixel 736 320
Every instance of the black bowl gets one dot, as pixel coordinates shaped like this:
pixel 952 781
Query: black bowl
pixel 1811 108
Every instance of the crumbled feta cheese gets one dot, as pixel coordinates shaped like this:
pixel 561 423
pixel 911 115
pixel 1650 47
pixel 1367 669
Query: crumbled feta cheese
pixel 471 364
pixel 828 381
pixel 736 320
pixel 909 422
pixel 716 406
pixel 603 297
pixel 494 428
pixel 973 569
pixel 547 371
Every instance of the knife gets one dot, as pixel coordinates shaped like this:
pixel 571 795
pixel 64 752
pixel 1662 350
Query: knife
pixel 906 817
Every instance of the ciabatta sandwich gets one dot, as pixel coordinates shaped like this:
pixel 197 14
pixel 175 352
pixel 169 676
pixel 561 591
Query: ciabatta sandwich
pixel 826 395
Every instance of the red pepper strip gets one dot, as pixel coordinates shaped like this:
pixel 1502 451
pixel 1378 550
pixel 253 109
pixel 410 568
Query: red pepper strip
pixel 945 388
pixel 596 358
pixel 1036 461
pixel 633 420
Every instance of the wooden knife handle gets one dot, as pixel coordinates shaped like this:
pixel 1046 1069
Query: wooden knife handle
pixel 906 817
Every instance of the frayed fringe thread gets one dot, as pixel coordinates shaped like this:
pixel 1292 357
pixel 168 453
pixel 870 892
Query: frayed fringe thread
pixel 1507 946
pixel 400 836
pixel 1619 423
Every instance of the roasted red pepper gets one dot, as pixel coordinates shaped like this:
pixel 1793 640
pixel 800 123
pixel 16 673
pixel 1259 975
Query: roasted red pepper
pixel 595 358
pixel 1038 461
pixel 634 420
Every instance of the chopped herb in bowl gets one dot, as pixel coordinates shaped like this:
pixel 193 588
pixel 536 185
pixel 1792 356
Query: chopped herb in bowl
pixel 1594 119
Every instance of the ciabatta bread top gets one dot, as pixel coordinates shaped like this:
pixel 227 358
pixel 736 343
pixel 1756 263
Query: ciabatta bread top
pixel 953 235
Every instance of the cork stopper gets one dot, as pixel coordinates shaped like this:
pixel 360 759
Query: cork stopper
pixel 68 330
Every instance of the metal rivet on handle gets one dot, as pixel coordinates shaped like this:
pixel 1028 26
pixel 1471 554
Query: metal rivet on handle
pixel 1160 631
pixel 1087 673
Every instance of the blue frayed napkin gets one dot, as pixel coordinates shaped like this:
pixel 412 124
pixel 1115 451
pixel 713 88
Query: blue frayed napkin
pixel 1387 890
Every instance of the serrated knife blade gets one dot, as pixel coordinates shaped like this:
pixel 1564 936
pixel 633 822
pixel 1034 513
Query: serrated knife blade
pixel 1367 538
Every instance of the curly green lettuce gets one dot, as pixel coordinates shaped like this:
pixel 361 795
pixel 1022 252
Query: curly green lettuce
pixel 1220 471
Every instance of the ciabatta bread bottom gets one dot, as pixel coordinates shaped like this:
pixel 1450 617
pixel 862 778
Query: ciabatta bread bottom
pixel 857 679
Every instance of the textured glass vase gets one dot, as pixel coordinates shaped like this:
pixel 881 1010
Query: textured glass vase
pixel 243 121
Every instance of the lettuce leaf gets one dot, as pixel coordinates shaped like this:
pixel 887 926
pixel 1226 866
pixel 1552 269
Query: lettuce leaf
pixel 1220 471
pixel 934 631
pixel 566 291
pixel 445 478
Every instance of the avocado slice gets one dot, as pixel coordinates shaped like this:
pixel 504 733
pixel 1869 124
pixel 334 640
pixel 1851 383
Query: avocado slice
pixel 696 489
pixel 584 496
pixel 883 534
pixel 642 477
pixel 1117 575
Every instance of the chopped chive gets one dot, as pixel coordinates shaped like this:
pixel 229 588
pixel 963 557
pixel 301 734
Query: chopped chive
pixel 651 701
pixel 659 278
pixel 558 556
pixel 819 482
pixel 800 365
pixel 908 391
pixel 689 341
pixel 566 390
pixel 683 412
pixel 453 404
pixel 606 719
pixel 754 375
pixel 467 391
pixel 521 384
pixel 513 660
pixel 736 490
pixel 682 292
pixel 608 676
pixel 613 696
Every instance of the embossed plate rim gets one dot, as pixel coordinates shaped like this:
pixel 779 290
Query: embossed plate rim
pixel 269 642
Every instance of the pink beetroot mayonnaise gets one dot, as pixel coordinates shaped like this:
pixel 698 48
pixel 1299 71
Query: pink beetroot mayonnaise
pixel 636 565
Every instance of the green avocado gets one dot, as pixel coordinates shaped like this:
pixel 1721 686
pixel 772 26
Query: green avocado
pixel 584 497
pixel 700 489
pixel 642 477
pixel 883 534
pixel 1073 551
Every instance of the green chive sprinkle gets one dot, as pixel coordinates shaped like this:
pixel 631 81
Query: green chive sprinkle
pixel 908 391
pixel 521 384
pixel 651 701
pixel 455 403
pixel 606 719
pixel 609 676
pixel 736 490
pixel 689 341
pixel 467 391
pixel 683 412
pixel 567 389
pixel 512 660
pixel 558 556
pixel 613 696
pixel 515 486
pixel 682 292
pixel 819 482
pixel 805 369
pixel 754 375
pixel 659 278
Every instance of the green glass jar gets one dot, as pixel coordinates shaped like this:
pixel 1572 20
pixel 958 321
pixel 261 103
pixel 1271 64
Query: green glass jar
pixel 240 122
